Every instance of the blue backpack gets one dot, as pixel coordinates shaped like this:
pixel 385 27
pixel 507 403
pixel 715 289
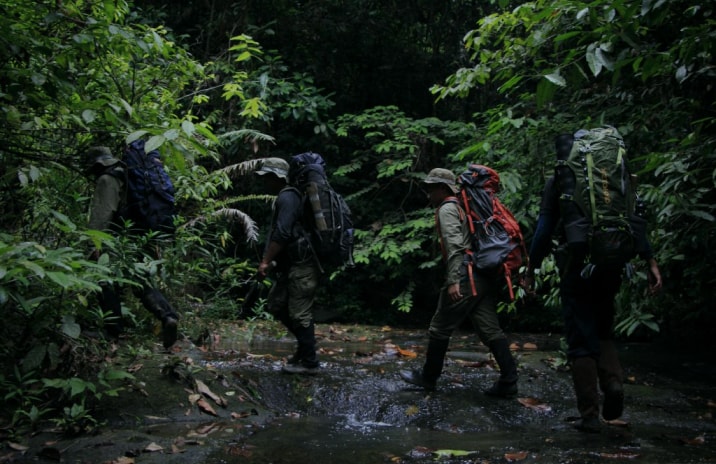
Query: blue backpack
pixel 149 200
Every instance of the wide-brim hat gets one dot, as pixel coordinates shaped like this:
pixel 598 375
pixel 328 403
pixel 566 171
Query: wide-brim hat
pixel 99 156
pixel 442 176
pixel 276 166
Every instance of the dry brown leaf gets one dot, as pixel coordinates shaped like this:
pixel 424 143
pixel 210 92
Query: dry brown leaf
pixel 618 455
pixel 534 403
pixel 386 328
pixel 518 456
pixel 206 407
pixel 204 390
pixel 407 353
pixel 122 460
pixel 514 346
pixel 529 346
pixel 699 440
pixel 152 447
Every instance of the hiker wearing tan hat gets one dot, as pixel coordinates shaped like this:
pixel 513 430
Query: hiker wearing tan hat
pixel 456 301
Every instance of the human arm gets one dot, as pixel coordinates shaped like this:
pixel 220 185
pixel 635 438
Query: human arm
pixel 654 276
pixel 455 242
pixel 286 221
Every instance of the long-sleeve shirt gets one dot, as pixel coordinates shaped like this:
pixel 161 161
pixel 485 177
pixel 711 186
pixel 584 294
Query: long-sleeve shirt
pixel 105 202
pixel 454 238
pixel 548 221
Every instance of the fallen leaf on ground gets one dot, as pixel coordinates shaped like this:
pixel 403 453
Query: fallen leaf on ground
pixel 407 353
pixel 411 411
pixel 618 455
pixel 203 389
pixel 121 460
pixel 206 407
pixel 135 368
pixel 452 453
pixel 152 447
pixel 618 422
pixel 534 403
pixel 699 440
pixel 18 447
pixel 529 346
pixel 514 346
pixel 518 456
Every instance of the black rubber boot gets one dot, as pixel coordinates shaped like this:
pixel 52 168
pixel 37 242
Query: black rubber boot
pixel 284 318
pixel 610 380
pixel 506 385
pixel 584 377
pixel 110 303
pixel 308 364
pixel 427 377
pixel 155 303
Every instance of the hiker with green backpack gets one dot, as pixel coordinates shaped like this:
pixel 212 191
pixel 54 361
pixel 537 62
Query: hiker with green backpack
pixel 589 203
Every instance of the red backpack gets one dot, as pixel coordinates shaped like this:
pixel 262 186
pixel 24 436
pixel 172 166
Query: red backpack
pixel 496 235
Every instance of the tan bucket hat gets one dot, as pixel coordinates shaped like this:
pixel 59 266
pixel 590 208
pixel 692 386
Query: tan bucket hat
pixel 275 166
pixel 442 176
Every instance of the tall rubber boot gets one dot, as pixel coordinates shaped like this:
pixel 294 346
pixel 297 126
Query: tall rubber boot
pixel 285 319
pixel 110 303
pixel 427 377
pixel 610 380
pixel 155 303
pixel 506 385
pixel 584 377
pixel 308 364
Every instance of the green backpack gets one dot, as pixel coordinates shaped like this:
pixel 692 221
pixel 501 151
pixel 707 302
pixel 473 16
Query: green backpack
pixel 597 197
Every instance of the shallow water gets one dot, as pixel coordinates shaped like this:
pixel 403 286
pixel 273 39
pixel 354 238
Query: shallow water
pixel 358 411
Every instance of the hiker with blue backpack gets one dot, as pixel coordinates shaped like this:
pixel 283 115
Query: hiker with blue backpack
pixel 588 204
pixel 468 291
pixel 110 206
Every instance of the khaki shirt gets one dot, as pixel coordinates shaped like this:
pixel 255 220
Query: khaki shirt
pixel 105 202
pixel 454 233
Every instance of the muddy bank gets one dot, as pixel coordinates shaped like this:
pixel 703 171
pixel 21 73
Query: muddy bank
pixel 220 397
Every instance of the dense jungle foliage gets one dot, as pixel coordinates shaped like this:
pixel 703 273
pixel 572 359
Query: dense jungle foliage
pixel 384 91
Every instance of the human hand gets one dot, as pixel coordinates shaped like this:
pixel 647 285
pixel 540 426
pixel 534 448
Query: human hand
pixel 655 282
pixel 264 268
pixel 454 292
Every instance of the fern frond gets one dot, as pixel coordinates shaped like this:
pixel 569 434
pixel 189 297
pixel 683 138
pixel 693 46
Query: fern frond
pixel 249 226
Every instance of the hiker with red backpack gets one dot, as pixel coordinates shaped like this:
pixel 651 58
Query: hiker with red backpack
pixel 467 292
pixel 591 272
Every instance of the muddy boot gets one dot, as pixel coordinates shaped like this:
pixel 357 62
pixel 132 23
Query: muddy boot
pixel 610 380
pixel 427 377
pixel 155 303
pixel 506 385
pixel 110 304
pixel 308 361
pixel 584 377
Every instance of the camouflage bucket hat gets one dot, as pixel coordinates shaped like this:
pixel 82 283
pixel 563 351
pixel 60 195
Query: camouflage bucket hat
pixel 275 166
pixel 442 176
